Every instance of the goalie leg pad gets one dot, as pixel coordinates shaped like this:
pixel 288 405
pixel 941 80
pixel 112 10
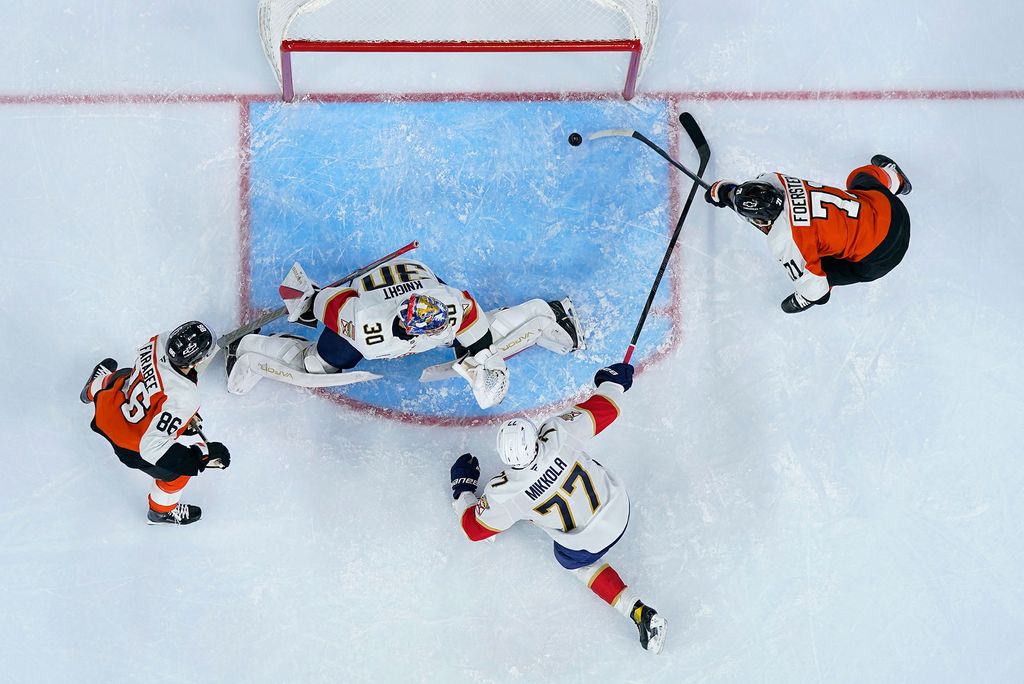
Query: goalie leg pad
pixel 284 351
pixel 556 323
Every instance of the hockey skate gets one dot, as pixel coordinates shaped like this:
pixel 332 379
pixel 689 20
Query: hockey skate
pixel 795 303
pixel 102 369
pixel 182 514
pixel 651 625
pixel 881 161
pixel 565 316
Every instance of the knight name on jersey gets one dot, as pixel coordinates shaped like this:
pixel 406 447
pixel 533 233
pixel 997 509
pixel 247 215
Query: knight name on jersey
pixel 799 208
pixel 393 291
pixel 547 478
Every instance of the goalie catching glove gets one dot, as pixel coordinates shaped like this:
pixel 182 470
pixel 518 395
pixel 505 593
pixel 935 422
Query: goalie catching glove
pixel 487 376
pixel 298 293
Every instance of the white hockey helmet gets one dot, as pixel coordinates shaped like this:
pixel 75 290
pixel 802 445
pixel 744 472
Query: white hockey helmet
pixel 517 442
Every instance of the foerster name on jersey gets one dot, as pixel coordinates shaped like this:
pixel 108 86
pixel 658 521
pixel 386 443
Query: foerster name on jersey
pixel 547 478
pixel 799 209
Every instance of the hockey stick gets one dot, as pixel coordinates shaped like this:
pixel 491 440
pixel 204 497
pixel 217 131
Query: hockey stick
pixel 704 154
pixel 271 316
pixel 626 133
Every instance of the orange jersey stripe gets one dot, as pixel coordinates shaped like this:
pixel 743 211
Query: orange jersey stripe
pixel 845 224
pixel 110 417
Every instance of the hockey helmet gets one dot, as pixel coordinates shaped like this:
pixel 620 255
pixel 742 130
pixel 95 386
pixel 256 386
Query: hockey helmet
pixel 423 315
pixel 758 202
pixel 517 443
pixel 190 343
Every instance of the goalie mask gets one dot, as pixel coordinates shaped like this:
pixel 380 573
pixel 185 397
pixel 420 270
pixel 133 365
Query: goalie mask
pixel 189 344
pixel 760 203
pixel 423 315
pixel 517 443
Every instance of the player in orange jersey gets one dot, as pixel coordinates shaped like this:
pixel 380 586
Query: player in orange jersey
pixel 149 414
pixel 825 236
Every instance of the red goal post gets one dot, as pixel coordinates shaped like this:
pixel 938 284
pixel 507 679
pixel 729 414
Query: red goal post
pixel 489 26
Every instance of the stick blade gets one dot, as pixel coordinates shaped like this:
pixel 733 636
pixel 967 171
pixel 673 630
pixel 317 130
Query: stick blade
pixel 699 141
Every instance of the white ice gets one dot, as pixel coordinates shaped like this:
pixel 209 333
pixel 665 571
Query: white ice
pixel 830 497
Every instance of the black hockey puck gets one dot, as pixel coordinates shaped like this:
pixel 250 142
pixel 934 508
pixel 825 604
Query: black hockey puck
pixel 575 139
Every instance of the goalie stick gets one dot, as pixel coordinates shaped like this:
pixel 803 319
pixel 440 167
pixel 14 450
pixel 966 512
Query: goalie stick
pixel 704 155
pixel 270 316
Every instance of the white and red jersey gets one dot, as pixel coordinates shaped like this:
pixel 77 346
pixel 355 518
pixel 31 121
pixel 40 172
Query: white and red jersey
pixel 572 497
pixel 365 312
pixel 820 221
pixel 147 410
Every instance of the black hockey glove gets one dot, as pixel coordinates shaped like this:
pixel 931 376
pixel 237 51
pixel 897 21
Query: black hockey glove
pixel 219 457
pixel 721 194
pixel 194 426
pixel 465 475
pixel 619 373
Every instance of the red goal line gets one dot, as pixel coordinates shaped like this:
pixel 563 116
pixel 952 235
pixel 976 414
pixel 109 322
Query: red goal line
pixel 687 96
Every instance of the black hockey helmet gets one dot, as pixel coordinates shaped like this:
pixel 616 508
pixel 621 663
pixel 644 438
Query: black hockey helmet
pixel 189 344
pixel 758 202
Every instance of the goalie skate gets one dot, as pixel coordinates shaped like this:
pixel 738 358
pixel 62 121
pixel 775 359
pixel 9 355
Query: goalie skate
pixel 565 316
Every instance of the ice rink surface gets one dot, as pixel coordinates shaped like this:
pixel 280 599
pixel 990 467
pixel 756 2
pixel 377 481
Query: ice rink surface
pixel 829 497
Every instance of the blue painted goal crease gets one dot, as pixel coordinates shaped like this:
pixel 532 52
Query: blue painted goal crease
pixel 502 206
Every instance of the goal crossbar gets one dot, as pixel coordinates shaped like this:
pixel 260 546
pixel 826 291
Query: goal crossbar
pixel 632 46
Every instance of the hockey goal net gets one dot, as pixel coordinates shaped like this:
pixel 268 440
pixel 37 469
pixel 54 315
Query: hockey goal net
pixel 288 26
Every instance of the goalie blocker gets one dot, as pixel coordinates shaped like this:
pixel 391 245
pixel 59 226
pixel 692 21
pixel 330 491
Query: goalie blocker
pixel 397 309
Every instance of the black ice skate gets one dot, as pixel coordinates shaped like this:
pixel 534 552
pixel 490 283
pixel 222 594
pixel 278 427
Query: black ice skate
pixel 881 161
pixel 565 316
pixel 795 303
pixel 651 625
pixel 183 514
pixel 103 368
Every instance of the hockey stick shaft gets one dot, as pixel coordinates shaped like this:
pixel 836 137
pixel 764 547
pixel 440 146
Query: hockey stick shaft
pixel 704 154
pixel 627 133
pixel 272 316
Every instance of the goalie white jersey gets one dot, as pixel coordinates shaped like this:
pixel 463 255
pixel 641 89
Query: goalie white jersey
pixel 368 319
pixel 366 313
pixel 572 497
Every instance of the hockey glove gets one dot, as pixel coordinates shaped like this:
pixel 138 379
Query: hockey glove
pixel 298 293
pixel 465 475
pixel 721 194
pixel 619 373
pixel 219 457
pixel 194 426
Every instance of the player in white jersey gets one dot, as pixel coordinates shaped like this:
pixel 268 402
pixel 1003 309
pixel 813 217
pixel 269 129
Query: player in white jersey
pixel 554 484
pixel 397 309
pixel 149 413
